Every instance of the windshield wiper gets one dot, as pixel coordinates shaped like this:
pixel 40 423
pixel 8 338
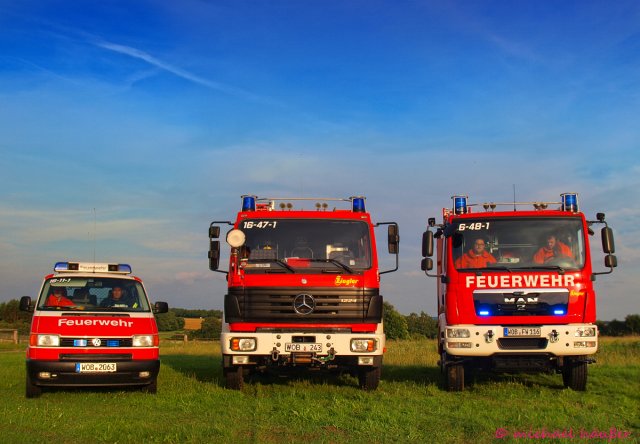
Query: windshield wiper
pixel 560 269
pixel 277 261
pixel 335 262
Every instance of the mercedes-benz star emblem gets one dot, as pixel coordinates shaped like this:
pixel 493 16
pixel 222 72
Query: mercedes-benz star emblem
pixel 304 304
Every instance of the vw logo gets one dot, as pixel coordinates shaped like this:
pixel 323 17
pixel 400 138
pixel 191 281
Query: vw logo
pixel 96 342
pixel 304 304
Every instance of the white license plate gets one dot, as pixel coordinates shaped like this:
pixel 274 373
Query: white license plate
pixel 523 331
pixel 96 367
pixel 302 347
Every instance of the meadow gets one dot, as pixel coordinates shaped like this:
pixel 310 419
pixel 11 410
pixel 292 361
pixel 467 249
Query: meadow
pixel 409 406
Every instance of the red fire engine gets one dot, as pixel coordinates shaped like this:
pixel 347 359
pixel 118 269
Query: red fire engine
pixel 92 326
pixel 303 289
pixel 515 288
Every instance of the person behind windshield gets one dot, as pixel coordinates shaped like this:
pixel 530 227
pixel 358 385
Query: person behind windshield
pixel 553 249
pixel 58 298
pixel 477 257
pixel 116 298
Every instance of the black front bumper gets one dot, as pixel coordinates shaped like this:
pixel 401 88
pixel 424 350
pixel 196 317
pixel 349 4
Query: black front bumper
pixel 63 374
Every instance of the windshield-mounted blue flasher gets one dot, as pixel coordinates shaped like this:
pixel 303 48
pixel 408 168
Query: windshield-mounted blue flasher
pixel 459 204
pixel 248 203
pixel 569 202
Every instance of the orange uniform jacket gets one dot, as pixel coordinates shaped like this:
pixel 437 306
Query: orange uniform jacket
pixel 544 254
pixel 471 260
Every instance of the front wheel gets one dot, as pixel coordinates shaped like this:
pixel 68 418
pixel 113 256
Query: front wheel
pixel 574 375
pixel 32 390
pixel 455 377
pixel 369 378
pixel 151 388
pixel 234 378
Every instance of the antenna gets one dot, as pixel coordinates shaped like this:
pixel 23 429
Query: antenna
pixel 514 197
pixel 94 235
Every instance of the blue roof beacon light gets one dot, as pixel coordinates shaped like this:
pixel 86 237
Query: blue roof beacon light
pixel 248 202
pixel 357 203
pixel 569 202
pixel 460 204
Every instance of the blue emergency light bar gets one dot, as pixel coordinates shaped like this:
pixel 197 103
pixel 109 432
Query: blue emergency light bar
pixel 62 267
pixel 248 203
pixel 569 202
pixel 459 204
pixel 357 204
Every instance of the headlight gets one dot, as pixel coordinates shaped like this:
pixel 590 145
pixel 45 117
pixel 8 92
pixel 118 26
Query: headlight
pixel 49 340
pixel 458 333
pixel 363 345
pixel 585 332
pixel 142 341
pixel 243 344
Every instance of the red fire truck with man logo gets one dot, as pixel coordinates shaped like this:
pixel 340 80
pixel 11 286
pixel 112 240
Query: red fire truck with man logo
pixel 303 289
pixel 92 325
pixel 515 288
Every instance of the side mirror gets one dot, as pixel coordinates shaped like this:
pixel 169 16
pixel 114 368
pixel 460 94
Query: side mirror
pixel 608 245
pixel 25 303
pixel 610 261
pixel 214 255
pixel 161 307
pixel 427 244
pixel 393 238
pixel 214 232
pixel 426 264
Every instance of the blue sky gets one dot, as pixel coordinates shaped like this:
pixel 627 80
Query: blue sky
pixel 137 123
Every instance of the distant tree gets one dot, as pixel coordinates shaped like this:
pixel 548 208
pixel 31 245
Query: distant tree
pixel 603 328
pixel 422 325
pixel 211 328
pixel 617 328
pixel 395 325
pixel 12 317
pixel 632 323
pixel 169 321
pixel 197 313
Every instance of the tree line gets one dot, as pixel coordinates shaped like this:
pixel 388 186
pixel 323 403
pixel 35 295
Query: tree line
pixel 396 325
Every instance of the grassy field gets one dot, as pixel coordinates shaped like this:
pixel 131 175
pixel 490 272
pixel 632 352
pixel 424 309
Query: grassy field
pixel 409 406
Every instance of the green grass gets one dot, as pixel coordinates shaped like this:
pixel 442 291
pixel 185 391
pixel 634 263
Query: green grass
pixel 409 406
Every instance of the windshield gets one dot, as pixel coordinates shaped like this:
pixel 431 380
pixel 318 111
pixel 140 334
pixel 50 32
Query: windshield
pixel 93 293
pixel 541 243
pixel 325 246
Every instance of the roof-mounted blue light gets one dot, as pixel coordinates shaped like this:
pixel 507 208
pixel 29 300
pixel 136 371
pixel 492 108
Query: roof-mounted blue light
pixel 248 203
pixel 569 202
pixel 91 267
pixel 61 266
pixel 459 204
pixel 357 203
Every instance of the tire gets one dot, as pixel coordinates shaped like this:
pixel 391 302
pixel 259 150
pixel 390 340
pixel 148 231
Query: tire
pixel 234 378
pixel 32 390
pixel 455 377
pixel 368 379
pixel 574 375
pixel 151 388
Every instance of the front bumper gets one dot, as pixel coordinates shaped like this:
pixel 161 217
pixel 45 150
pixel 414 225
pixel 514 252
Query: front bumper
pixel 63 374
pixel 490 340
pixel 309 349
